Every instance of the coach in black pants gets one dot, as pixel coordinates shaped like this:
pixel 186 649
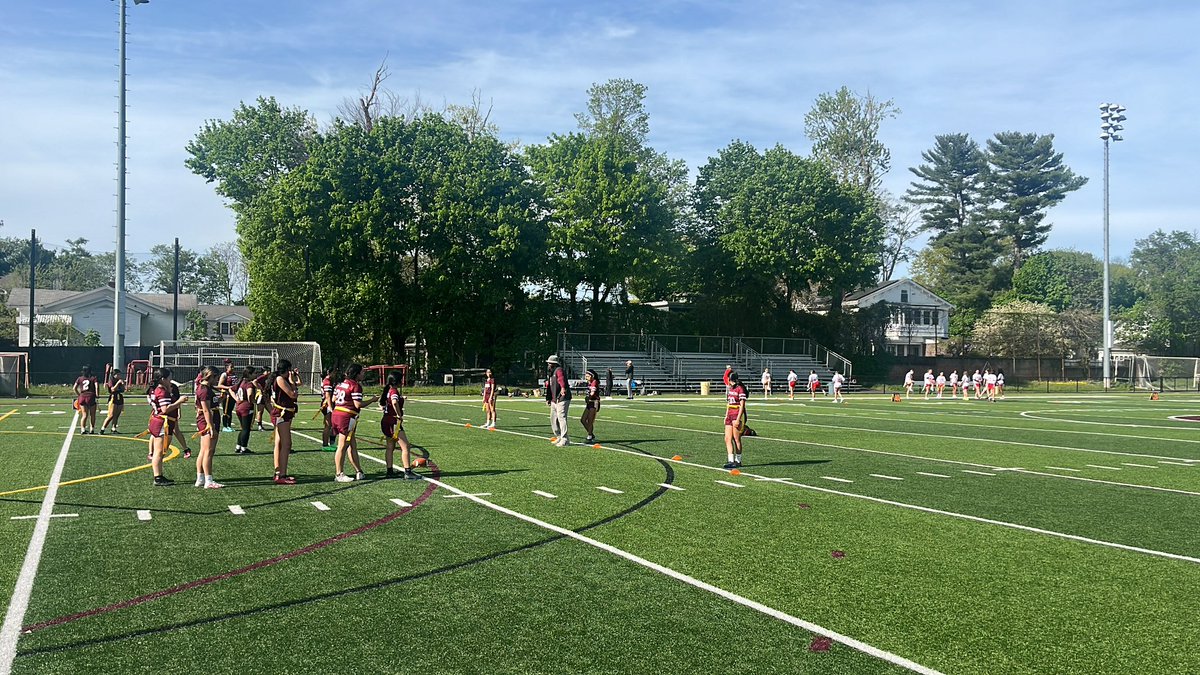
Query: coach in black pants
pixel 629 378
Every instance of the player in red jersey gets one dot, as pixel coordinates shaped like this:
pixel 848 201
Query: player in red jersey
pixel 330 377
pixel 207 419
pixel 489 400
pixel 85 401
pixel 284 383
pixel 735 417
pixel 245 396
pixel 591 403
pixel 347 402
pixel 116 402
pixel 392 427
pixel 164 417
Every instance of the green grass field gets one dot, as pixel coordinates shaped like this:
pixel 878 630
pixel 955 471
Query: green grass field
pixel 1042 533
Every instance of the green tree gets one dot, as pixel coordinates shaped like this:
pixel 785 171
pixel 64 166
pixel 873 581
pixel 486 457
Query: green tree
pixel 248 153
pixel 1167 271
pixel 950 189
pixel 616 109
pixel 1061 279
pixel 844 130
pixel 609 221
pixel 1026 179
pixel 158 272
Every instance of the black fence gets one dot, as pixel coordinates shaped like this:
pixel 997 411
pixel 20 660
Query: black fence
pixel 61 365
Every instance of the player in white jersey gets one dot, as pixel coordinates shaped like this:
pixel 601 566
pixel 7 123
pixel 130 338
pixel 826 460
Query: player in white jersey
pixel 941 384
pixel 766 383
pixel 1000 383
pixel 792 377
pixel 927 383
pixel 989 379
pixel 814 385
pixel 908 383
pixel 977 383
pixel 836 385
pixel 953 382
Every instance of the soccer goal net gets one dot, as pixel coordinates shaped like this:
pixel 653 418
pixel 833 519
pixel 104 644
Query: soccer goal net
pixel 1169 373
pixel 188 357
pixel 14 373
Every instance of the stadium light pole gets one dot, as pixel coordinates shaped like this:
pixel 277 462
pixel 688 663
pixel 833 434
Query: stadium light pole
pixel 1111 116
pixel 118 356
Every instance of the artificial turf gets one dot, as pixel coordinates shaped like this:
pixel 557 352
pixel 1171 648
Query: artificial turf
pixel 453 586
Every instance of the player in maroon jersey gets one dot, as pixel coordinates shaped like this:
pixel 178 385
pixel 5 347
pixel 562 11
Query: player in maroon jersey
pixel 227 387
pixel 392 427
pixel 591 403
pixel 347 403
pixel 207 419
pixel 331 377
pixel 245 395
pixel 284 383
pixel 116 401
pixel 489 400
pixel 85 401
pixel 164 417
pixel 262 385
pixel 735 417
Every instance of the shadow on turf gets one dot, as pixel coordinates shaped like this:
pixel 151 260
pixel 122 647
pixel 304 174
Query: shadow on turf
pixel 379 585
pixel 801 462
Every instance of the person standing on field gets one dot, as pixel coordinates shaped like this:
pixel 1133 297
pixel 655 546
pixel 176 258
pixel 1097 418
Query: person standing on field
pixel 792 377
pixel 489 400
pixel 609 383
pixel 629 378
pixel 558 397
pixel 766 383
pixel 908 383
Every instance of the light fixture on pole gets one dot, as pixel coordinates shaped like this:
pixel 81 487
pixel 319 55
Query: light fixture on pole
pixel 118 355
pixel 1111 116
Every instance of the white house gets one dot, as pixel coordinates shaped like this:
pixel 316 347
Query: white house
pixel 919 316
pixel 147 315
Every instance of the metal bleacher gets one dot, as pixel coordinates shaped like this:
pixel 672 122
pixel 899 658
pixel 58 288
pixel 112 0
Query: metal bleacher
pixel 678 364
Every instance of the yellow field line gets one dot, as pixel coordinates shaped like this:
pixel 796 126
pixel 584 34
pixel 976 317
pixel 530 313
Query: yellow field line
pixel 8 414
pixel 173 455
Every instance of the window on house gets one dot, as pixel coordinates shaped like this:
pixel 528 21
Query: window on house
pixel 226 328
pixel 903 296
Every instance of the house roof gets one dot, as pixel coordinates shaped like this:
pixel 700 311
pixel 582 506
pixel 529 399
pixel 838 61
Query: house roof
pixel 47 301
pixel 857 298
pixel 223 312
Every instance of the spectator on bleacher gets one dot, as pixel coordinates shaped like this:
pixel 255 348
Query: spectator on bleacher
pixel 629 379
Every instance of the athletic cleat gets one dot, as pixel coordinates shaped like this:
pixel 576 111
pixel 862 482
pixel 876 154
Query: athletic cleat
pixel 729 465
pixel 360 476
pixel 343 478
pixel 562 443
pixel 214 485
pixel 737 465
pixel 260 427
pixel 163 481
pixel 187 453
pixel 116 430
pixel 409 474
pixel 285 480
pixel 199 481
pixel 590 439
pixel 102 432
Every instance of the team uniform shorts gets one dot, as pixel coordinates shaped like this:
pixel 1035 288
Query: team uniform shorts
pixel 391 427
pixel 342 423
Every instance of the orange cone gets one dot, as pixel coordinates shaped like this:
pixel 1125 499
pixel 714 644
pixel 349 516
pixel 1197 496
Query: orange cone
pixel 597 446
pixel 735 472
pixel 467 425
pixel 677 458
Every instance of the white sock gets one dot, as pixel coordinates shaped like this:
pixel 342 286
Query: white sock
pixel 738 458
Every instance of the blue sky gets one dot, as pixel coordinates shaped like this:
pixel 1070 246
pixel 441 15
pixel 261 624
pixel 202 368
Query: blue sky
pixel 715 71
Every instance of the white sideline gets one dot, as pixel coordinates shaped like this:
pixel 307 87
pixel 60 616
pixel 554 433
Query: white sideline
pixel 915 507
pixel 10 632
pixel 691 581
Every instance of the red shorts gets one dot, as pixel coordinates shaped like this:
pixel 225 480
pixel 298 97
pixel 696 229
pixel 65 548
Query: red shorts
pixel 87 400
pixel 815 386
pixel 791 385
pixel 731 416
pixel 342 423
pixel 279 416
pixel 991 387
pixel 202 426
pixel 161 426
pixel 391 427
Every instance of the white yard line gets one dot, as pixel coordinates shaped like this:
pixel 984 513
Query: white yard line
pixel 1063 468
pixel 1176 463
pixel 725 482
pixel 670 487
pixel 547 495
pixel 1101 466
pixel 237 510
pixel 144 515
pixel 477 494
pixel 609 490
pixel 880 475
pixel 836 480
pixel 978 473
pixel 320 506
pixel 932 475
pixel 10 632
pixel 1109 482
pixel 400 502
pixel 52 515
pixel 1140 466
